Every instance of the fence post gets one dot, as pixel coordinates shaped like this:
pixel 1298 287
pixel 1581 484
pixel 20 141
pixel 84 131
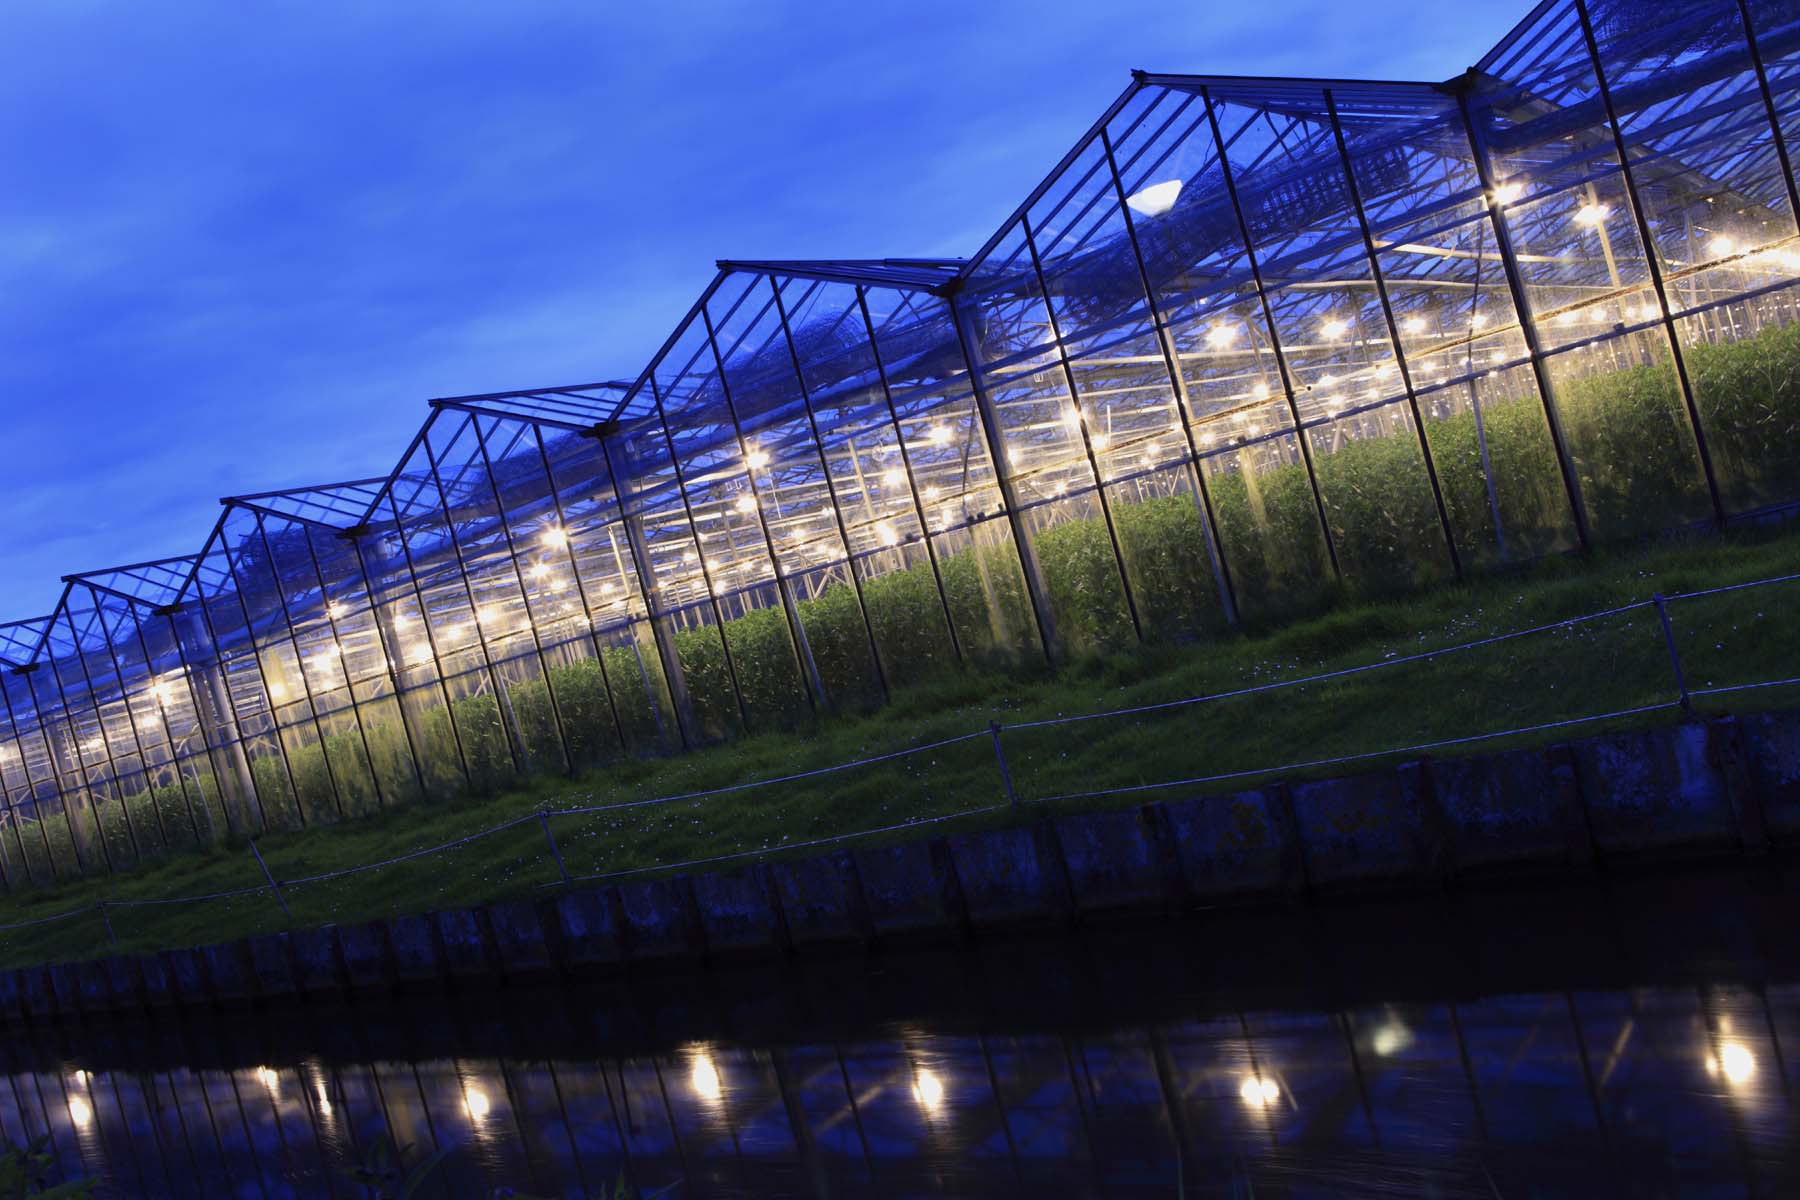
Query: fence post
pixel 1662 612
pixel 106 920
pixel 1012 797
pixel 555 852
pixel 273 886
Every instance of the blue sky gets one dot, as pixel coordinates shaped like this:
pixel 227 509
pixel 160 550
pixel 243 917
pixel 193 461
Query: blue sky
pixel 240 244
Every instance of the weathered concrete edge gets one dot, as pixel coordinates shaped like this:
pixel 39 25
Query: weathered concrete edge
pixel 1728 786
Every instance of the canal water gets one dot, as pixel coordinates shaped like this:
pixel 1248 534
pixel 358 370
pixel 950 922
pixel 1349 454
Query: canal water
pixel 1627 1036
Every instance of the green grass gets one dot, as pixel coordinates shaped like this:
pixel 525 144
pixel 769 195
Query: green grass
pixel 1610 664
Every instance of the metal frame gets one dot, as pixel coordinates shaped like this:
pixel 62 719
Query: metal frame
pixel 1232 216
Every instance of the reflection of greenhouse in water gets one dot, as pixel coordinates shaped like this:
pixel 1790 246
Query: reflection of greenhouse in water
pixel 1252 344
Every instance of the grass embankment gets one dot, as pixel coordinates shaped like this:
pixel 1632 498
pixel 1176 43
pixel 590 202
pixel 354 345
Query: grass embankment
pixel 1610 664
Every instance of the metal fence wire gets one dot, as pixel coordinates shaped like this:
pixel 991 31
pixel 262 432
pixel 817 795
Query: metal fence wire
pixel 277 889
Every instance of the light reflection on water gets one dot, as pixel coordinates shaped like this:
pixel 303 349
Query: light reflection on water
pixel 1639 1089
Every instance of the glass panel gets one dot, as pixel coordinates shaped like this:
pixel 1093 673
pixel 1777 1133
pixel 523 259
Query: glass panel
pixel 365 660
pixel 1459 331
pixel 1587 279
pixel 554 607
pixel 879 507
pixel 605 574
pixel 452 638
pixel 1628 435
pixel 680 603
pixel 1126 397
pixel 1041 429
pixel 1743 362
pixel 1697 132
pixel 1193 250
pixel 1331 328
pixel 56 829
pixel 797 499
pixel 734 547
pixel 1704 156
pixel 496 584
pixel 398 617
pixel 936 414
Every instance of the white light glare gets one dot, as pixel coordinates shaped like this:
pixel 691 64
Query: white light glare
pixel 706 1078
pixel 938 435
pixel 929 1090
pixel 1735 1061
pixel 1259 1093
pixel 1221 336
pixel 893 477
pixel 1592 214
pixel 555 538
pixel 1506 193
pixel 476 1103
pixel 1413 325
pixel 1724 245
pixel 1156 199
pixel 758 459
pixel 1334 329
pixel 745 504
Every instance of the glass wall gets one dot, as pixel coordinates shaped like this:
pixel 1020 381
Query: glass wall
pixel 1254 344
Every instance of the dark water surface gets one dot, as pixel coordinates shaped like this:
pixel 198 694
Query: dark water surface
pixel 1629 1037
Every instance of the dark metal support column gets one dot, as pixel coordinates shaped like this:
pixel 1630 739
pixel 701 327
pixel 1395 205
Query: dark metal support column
pixel 989 420
pixel 1184 405
pixel 1515 283
pixel 1655 268
pixel 837 507
pixel 1081 429
pixel 816 697
pixel 1268 310
pixel 912 478
pixel 1393 330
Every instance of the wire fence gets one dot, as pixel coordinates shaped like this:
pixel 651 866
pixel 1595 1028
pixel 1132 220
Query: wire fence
pixel 1680 698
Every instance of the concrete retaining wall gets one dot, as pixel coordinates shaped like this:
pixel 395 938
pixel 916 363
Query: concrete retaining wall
pixel 1730 786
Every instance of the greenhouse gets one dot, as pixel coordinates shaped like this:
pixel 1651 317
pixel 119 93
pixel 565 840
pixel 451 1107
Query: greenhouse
pixel 1253 345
